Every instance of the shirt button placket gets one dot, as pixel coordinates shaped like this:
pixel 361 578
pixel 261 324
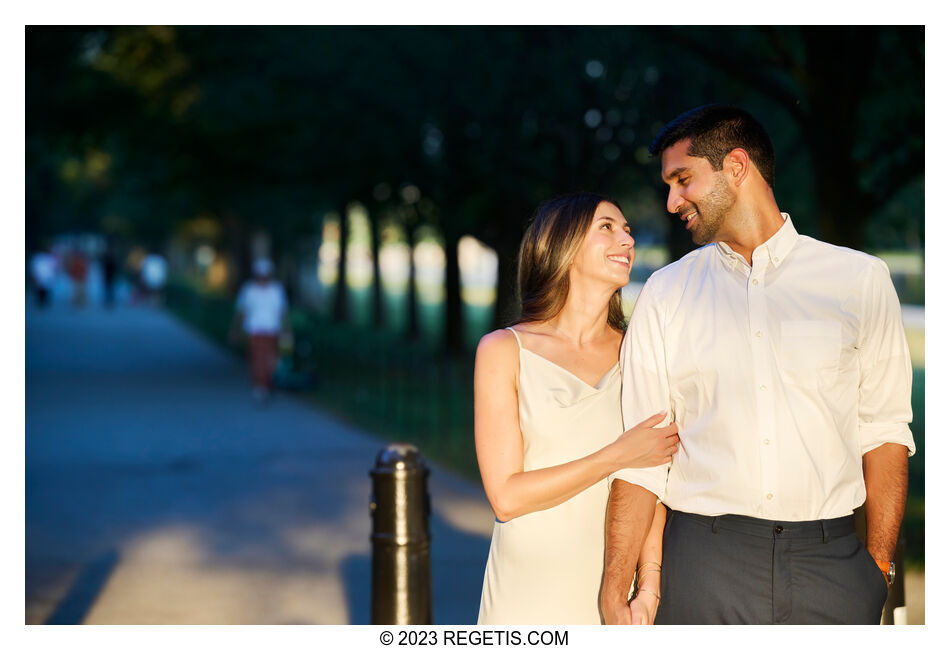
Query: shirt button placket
pixel 760 355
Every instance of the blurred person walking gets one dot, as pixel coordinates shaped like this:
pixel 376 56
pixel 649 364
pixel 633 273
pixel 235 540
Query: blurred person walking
pixel 154 274
pixel 77 266
pixel 109 271
pixel 261 313
pixel 43 268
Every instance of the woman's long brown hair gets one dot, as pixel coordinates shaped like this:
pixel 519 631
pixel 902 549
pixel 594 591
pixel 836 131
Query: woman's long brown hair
pixel 550 243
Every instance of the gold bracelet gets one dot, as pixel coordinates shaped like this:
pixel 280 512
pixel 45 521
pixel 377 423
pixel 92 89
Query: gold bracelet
pixel 657 564
pixel 652 593
pixel 641 574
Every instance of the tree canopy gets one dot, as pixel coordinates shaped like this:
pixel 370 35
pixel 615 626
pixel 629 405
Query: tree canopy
pixel 136 129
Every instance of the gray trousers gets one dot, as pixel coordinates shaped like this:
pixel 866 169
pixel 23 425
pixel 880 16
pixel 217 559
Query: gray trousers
pixel 735 569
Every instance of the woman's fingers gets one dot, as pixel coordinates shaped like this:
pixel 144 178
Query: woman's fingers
pixel 652 421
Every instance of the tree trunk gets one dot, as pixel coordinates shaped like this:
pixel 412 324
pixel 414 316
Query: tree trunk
pixel 378 315
pixel 340 311
pixel 238 243
pixel 412 330
pixel 453 295
pixel 507 304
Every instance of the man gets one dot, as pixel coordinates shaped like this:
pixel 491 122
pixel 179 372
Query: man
pixel 262 313
pixel 783 360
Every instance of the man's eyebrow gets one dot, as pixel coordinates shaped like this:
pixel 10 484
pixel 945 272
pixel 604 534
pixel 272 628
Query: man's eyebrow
pixel 673 173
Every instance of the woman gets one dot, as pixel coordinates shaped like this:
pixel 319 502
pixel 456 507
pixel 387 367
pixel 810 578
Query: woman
pixel 548 427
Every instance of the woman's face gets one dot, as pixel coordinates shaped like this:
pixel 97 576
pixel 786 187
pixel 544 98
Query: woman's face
pixel 606 254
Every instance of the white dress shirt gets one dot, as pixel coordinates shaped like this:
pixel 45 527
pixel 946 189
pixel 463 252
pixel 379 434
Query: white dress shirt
pixel 780 375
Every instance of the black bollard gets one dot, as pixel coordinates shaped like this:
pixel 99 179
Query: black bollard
pixel 402 577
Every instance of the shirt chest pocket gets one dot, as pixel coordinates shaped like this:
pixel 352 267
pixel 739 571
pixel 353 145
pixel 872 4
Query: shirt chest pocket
pixel 811 352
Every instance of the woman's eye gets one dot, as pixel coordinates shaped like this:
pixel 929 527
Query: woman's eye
pixel 607 225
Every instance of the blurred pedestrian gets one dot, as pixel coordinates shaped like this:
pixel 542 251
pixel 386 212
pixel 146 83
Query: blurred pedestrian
pixel 262 315
pixel 77 266
pixel 43 274
pixel 154 273
pixel 109 270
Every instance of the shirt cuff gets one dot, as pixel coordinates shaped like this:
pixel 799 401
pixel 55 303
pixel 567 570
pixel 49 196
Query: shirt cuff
pixel 649 478
pixel 873 436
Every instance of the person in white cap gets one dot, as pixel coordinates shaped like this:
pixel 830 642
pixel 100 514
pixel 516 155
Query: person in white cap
pixel 261 313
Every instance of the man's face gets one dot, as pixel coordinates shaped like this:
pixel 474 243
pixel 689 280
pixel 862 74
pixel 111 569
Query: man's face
pixel 700 195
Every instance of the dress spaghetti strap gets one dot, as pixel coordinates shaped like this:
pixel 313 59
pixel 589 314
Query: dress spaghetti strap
pixel 517 338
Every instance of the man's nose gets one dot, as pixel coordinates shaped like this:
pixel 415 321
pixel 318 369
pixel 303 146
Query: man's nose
pixel 673 201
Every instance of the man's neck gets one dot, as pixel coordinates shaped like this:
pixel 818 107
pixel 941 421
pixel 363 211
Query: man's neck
pixel 752 227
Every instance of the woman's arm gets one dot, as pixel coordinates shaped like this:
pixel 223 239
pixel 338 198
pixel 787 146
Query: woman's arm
pixel 644 605
pixel 513 492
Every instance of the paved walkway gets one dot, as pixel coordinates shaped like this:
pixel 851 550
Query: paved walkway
pixel 156 492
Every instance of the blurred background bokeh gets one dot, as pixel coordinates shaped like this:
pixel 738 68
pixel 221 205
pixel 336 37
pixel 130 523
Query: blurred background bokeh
pixel 389 172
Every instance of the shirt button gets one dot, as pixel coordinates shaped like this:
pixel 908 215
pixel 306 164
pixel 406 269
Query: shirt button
pixel 762 387
pixel 755 282
pixel 758 334
pixel 769 496
pixel 766 441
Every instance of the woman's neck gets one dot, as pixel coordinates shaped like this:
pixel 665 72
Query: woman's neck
pixel 583 319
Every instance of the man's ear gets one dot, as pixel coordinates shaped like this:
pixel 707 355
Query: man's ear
pixel 737 166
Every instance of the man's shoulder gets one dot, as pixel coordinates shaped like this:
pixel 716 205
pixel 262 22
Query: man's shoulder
pixel 854 260
pixel 680 269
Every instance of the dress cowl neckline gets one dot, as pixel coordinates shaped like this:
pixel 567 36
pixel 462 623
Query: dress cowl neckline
pixel 596 387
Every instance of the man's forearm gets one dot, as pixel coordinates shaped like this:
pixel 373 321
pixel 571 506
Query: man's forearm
pixel 630 511
pixel 885 479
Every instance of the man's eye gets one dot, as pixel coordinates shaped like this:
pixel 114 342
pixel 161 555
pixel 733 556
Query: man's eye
pixel 683 180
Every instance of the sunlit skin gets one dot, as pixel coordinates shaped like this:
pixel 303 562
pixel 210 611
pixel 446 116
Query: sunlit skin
pixel 733 205
pixel 603 263
pixel 580 340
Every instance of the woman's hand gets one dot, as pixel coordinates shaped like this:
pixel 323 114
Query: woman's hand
pixel 616 614
pixel 646 445
pixel 643 609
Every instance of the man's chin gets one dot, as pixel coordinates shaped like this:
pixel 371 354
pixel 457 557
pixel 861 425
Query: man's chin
pixel 700 239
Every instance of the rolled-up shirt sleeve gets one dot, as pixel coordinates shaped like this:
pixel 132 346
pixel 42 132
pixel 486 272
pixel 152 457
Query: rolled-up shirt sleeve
pixel 884 409
pixel 646 388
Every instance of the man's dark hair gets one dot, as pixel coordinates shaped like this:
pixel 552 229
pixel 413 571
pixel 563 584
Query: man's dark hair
pixel 716 129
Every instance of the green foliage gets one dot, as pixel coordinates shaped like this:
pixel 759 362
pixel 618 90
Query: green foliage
pixel 914 514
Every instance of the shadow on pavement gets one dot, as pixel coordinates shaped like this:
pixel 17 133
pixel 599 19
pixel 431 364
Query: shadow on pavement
pixel 73 608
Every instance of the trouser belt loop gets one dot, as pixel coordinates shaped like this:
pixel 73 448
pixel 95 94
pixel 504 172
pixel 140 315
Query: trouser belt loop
pixel 715 524
pixel 824 532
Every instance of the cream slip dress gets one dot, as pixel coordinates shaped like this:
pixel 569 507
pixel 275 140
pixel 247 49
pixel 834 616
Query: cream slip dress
pixel 545 567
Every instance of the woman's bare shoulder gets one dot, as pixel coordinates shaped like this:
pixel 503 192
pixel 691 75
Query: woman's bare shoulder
pixel 498 344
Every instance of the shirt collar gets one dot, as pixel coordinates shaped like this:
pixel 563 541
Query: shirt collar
pixel 777 247
pixel 782 242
